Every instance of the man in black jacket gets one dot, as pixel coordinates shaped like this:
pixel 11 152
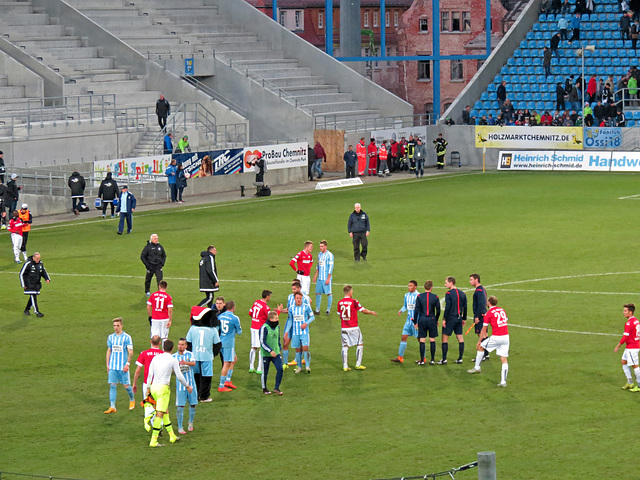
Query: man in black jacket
pixel 2 167
pixel 453 318
pixel 163 109
pixel 108 191
pixel 208 276
pixel 153 256
pixel 32 271
pixel 76 184
pixel 358 227
pixel 13 193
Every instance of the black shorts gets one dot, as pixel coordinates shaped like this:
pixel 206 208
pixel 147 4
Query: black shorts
pixel 453 326
pixel 427 327
pixel 478 326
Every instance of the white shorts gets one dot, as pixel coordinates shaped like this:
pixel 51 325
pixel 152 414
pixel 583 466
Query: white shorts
pixel 305 282
pixel 499 343
pixel 160 328
pixel 631 356
pixel 255 338
pixel 351 337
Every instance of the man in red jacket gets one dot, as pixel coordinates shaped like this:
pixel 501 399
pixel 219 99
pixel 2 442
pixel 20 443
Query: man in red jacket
pixel 361 151
pixel 372 155
pixel 320 156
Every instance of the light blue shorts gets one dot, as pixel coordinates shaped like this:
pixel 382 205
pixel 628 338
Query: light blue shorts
pixel 410 329
pixel 182 397
pixel 322 288
pixel 228 354
pixel 298 341
pixel 204 368
pixel 119 376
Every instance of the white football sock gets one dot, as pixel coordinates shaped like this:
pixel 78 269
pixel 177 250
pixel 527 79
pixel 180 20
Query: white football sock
pixel 505 372
pixel 627 373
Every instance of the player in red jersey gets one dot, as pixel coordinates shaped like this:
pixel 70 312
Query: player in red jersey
pixel 143 361
pixel 348 309
pixel 160 309
pixel 498 341
pixel 301 264
pixel 259 312
pixel 631 337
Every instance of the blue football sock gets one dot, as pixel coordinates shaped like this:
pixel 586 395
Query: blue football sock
pixel 401 350
pixel 318 301
pixel 180 415
pixel 307 358
pixel 329 299
pixel 192 413
pixel 130 392
pixel 285 356
pixel 222 380
pixel 299 359
pixel 113 394
pixel 229 374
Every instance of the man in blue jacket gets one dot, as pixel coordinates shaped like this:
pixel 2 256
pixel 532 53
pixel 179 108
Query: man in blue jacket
pixel 358 227
pixel 172 176
pixel 127 206
pixel 350 160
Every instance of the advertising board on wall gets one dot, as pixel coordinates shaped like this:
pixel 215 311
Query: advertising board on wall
pixel 285 155
pixel 602 137
pixel 154 165
pixel 541 138
pixel 591 161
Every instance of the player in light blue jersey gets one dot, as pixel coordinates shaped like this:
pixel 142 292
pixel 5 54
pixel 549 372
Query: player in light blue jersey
pixel 186 361
pixel 229 328
pixel 323 276
pixel 296 287
pixel 409 328
pixel 119 354
pixel 202 339
pixel 302 316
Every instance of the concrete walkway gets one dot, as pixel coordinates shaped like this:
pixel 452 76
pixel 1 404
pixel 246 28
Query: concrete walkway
pixel 234 196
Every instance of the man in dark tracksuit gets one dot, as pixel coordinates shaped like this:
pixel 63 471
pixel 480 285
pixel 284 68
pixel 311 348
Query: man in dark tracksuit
pixel 208 276
pixel 479 306
pixel 32 271
pixel 76 184
pixel 453 318
pixel 153 256
pixel 426 315
pixel 358 227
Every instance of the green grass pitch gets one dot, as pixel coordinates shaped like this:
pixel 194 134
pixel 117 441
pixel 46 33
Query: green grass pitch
pixel 558 250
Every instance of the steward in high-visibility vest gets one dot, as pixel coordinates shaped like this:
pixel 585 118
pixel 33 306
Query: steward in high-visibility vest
pixel 25 216
pixel 411 145
pixel 441 150
pixel 384 165
pixel 361 152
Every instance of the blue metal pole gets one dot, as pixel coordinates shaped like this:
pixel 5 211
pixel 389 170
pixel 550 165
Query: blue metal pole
pixel 274 8
pixel 488 26
pixel 383 29
pixel 435 15
pixel 328 33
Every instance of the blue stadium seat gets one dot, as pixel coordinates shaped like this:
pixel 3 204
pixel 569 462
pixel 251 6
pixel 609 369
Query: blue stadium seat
pixel 528 97
pixel 545 27
pixel 607 35
pixel 546 96
pixel 616 61
pixel 588 62
pixel 589 35
pixel 610 43
pixel 477 105
pixel 528 61
pixel 573 61
pixel 636 115
pixel 619 44
pixel 525 87
pixel 535 88
pixel 565 70
pixel 537 97
pixel 484 96
pixel 519 62
pixel 504 70
pixel 609 8
pixel 538 36
pixel 523 44
pixel 542 18
pixel 517 53
pixel 511 61
pixel 492 87
pixel 518 97
pixel 487 104
pixel 536 27
pixel 631 123
pixel 597 62
pixel 611 17
pixel 540 44
pixel 522 70
pixel 539 106
pixel 620 70
pixel 530 36
pixel 563 62
pixel 507 78
pixel 598 35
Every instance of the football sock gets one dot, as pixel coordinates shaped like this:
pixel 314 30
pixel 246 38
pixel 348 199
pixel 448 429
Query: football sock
pixel 167 424
pixel 402 349
pixel 345 355
pixel 229 374
pixel 637 372
pixel 192 413
pixel 252 358
pixel 180 415
pixel 318 301
pixel 223 378
pixel 479 356
pixel 329 299
pixel 460 350
pixel 625 368
pixel 505 372
pixel 432 348
pixel 359 352
pixel 285 356
pixel 130 392
pixel 307 358
pixel 260 359
pixel 299 359
pixel 423 350
pixel 157 426
pixel 113 394
pixel 445 350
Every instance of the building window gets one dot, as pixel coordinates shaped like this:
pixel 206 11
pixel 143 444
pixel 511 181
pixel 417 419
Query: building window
pixel 387 19
pixel 298 17
pixel 375 19
pixel 321 20
pixel 466 21
pixel 479 64
pixel 366 19
pixel 455 22
pixel 424 25
pixel 446 106
pixel 283 18
pixel 456 70
pixel 424 70
pixel 395 18
pixel 444 24
pixel 428 108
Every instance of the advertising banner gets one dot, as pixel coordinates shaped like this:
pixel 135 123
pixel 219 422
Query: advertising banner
pixel 541 138
pixel 625 162
pixel 285 155
pixel 564 160
pixel 154 165
pixel 215 162
pixel 601 137
pixel 397 134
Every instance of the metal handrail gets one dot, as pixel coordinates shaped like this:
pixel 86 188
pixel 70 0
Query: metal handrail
pixel 215 95
pixel 333 122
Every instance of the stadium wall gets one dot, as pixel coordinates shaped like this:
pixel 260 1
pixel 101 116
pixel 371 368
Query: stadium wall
pixel 18 74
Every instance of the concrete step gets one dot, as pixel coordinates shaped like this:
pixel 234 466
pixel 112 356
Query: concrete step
pixel 181 18
pixel 266 65
pixel 138 21
pixel 301 81
pixel 98 88
pixel 52 42
pixel 227 38
pixel 96 12
pixel 85 64
pixel 301 90
pixel 349 115
pixel 15 7
pixel 27 19
pixel 101 77
pixel 162 3
pixel 4 81
pixel 280 73
pixel 320 98
pixel 168 49
pixel 245 47
pixel 163 41
pixel 75 52
pixel 12 92
pixel 11 105
pixel 336 107
pixel 223 26
pixel 18 32
pixel 248 55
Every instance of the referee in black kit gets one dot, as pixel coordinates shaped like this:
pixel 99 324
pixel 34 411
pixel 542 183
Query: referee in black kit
pixel 479 307
pixel 455 313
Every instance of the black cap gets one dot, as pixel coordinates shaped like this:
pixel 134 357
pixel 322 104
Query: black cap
pixel 1 152
pixel 124 186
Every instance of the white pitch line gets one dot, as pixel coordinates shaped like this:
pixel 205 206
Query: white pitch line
pixel 634 197
pixel 563 277
pixel 561 291
pixel 564 331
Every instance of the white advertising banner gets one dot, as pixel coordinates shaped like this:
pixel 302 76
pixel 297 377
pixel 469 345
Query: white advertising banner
pixel 155 165
pixel 285 155
pixel 563 160
pixel 625 162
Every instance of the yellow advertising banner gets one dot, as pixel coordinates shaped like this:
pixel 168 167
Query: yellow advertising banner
pixel 535 138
